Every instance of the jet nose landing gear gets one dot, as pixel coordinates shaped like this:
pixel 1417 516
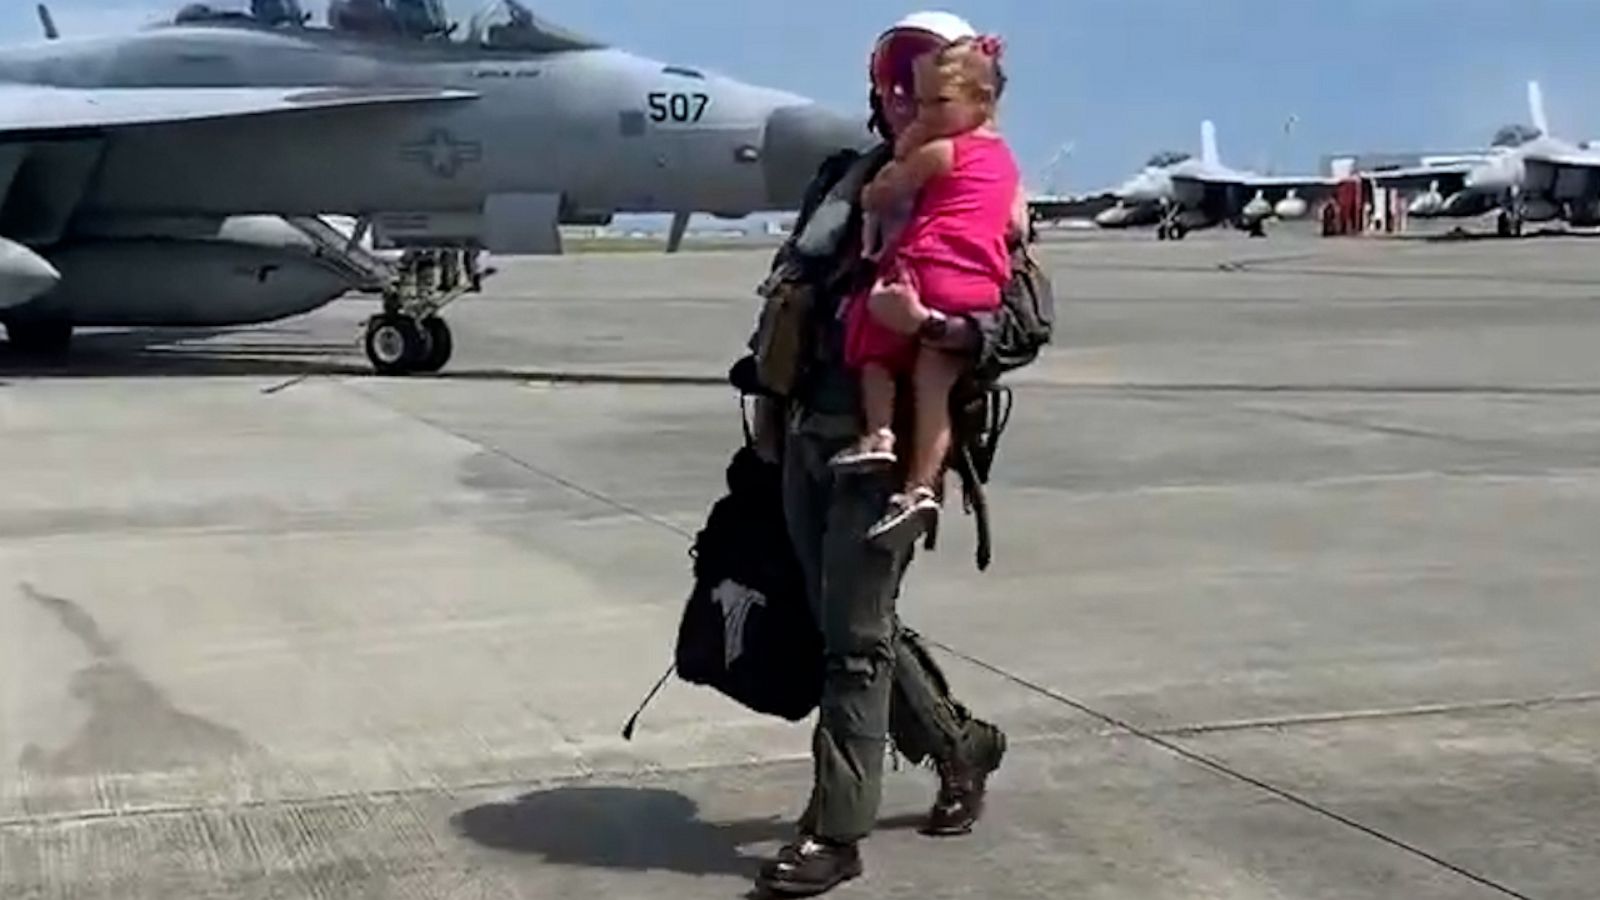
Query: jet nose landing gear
pixel 1171 226
pixel 399 345
pixel 409 336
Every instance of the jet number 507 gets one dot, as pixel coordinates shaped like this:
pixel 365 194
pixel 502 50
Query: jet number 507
pixel 667 107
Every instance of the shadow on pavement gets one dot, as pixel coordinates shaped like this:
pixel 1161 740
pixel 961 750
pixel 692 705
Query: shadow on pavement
pixel 186 352
pixel 172 352
pixel 627 828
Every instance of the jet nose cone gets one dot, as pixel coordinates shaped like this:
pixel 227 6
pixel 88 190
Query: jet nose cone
pixel 24 275
pixel 799 139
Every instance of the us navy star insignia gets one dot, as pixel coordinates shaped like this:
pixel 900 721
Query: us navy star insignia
pixel 442 153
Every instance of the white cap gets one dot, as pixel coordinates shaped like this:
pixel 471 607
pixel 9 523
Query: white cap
pixel 949 26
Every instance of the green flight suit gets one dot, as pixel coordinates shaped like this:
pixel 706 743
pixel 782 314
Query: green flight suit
pixel 880 681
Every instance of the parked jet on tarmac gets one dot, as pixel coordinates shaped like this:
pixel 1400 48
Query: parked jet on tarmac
pixel 122 158
pixel 1527 174
pixel 1178 193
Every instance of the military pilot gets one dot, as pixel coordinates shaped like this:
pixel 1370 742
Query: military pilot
pixel 881 682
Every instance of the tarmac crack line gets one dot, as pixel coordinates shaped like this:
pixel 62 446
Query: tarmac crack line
pixel 1358 424
pixel 511 458
pixel 1378 715
pixel 1222 768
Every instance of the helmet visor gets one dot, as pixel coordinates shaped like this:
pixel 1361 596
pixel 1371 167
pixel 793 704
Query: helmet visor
pixel 894 61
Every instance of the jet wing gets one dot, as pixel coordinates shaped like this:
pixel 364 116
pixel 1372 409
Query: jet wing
pixel 1273 187
pixel 29 112
pixel 65 129
pixel 1300 183
pixel 1417 178
pixel 1049 208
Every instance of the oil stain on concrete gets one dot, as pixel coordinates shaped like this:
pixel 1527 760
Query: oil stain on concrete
pixel 131 725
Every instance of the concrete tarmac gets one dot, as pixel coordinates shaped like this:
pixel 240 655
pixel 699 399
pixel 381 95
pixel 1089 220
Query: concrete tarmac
pixel 1294 594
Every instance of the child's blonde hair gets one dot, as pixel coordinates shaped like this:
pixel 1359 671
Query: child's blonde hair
pixel 972 66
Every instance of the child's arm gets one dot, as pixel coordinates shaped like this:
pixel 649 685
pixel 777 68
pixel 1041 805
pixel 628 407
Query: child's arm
pixel 902 179
pixel 1019 215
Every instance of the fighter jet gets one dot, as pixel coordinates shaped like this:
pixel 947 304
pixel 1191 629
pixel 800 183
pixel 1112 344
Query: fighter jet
pixel 1138 202
pixel 127 162
pixel 1178 193
pixel 1527 174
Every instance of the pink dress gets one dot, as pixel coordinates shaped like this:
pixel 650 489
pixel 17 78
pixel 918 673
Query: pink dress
pixel 952 252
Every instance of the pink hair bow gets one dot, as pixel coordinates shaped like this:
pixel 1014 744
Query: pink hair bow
pixel 991 46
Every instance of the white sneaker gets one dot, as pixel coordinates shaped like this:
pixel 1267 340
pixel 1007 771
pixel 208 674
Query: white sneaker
pixel 909 516
pixel 861 458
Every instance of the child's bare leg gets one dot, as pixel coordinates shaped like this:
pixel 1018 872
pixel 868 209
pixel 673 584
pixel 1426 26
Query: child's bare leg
pixel 874 449
pixel 877 403
pixel 932 381
pixel 916 509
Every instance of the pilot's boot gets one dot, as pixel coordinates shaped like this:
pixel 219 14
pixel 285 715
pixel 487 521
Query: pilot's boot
pixel 964 782
pixel 810 866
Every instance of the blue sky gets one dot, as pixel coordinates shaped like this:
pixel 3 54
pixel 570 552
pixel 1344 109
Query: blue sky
pixel 1124 78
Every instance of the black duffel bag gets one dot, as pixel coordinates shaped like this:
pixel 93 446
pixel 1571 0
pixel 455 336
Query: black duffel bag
pixel 747 630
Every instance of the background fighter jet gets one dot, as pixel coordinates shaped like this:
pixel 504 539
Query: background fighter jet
pixel 1527 174
pixel 125 160
pixel 1178 194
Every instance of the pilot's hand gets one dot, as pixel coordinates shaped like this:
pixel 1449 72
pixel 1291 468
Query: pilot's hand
pixel 897 308
pixel 913 136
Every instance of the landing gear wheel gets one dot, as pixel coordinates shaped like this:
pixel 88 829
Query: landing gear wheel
pixel 1176 231
pixel 42 339
pixel 440 345
pixel 395 344
pixel 1161 232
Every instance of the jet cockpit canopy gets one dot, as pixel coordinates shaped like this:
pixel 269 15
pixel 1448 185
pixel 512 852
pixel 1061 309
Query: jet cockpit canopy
pixel 272 13
pixel 510 25
pixel 418 19
pixel 278 12
pixel 1514 136
pixel 499 25
pixel 1167 158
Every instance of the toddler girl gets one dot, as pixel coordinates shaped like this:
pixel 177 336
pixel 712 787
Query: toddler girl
pixel 950 256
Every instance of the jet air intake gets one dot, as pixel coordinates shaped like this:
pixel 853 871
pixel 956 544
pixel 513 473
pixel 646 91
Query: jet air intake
pixel 24 275
pixel 798 140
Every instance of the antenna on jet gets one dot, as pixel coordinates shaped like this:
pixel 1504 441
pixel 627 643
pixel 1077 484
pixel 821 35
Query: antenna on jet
pixel 1536 108
pixel 1283 144
pixel 1053 166
pixel 48 23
